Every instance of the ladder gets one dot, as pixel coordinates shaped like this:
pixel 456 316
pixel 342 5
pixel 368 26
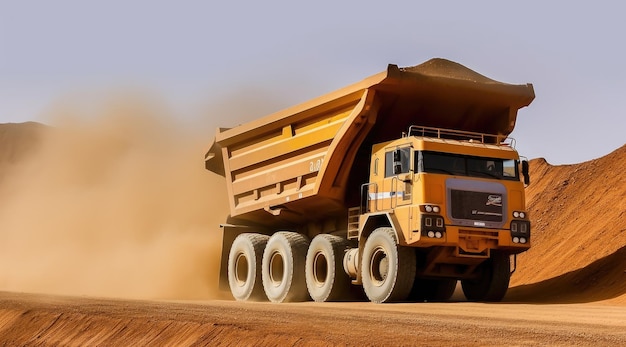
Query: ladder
pixel 353 222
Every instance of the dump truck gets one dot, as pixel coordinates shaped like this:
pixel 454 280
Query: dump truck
pixel 399 185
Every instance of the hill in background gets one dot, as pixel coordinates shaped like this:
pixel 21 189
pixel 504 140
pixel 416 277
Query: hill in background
pixel 578 215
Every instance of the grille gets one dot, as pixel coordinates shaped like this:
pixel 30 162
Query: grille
pixel 478 206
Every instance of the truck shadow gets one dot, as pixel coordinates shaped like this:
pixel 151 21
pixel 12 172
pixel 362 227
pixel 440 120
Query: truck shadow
pixel 603 279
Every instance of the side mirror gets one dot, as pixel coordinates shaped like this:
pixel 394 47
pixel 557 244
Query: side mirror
pixel 525 173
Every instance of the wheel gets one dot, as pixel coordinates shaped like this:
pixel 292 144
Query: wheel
pixel 244 267
pixel 325 278
pixel 493 280
pixel 433 290
pixel 283 267
pixel 387 269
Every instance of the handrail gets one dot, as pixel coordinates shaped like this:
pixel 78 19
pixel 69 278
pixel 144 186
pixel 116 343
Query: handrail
pixel 366 198
pixel 440 133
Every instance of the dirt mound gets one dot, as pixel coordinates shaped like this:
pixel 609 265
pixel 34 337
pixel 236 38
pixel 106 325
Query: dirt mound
pixel 578 249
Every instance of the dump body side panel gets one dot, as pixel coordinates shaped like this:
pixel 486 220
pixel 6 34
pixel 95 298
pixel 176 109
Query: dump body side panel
pixel 279 170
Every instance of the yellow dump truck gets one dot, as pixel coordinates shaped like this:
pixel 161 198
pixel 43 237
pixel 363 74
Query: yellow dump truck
pixel 401 184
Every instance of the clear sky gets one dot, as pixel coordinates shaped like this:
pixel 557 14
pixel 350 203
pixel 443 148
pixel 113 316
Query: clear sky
pixel 249 58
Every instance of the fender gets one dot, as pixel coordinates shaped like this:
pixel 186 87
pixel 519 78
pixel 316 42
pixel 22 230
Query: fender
pixel 372 221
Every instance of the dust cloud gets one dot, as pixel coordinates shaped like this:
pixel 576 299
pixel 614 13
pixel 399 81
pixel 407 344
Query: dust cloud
pixel 115 202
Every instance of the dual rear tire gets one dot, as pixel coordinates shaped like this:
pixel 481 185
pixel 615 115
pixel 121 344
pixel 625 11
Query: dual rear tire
pixel 282 269
pixel 244 267
pixel 286 267
pixel 262 267
pixel 326 279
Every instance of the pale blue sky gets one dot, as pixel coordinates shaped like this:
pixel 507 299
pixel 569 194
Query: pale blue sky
pixel 238 60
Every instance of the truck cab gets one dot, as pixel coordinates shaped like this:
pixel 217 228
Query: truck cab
pixel 443 188
pixel 454 196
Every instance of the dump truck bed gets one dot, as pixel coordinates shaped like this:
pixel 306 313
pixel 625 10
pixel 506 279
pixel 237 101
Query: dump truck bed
pixel 308 162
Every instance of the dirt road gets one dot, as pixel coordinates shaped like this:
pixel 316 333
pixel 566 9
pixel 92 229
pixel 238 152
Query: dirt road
pixel 27 319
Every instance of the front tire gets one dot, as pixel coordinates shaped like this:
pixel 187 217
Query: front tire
pixel 387 269
pixel 492 282
pixel 283 267
pixel 325 278
pixel 244 267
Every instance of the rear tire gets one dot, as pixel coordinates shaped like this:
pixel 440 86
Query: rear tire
pixel 493 280
pixel 244 267
pixel 387 269
pixel 283 267
pixel 325 278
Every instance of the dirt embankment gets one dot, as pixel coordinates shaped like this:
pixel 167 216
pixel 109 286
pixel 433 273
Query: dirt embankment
pixel 578 215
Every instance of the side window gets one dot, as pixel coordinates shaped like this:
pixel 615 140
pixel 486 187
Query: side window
pixel 389 164
pixel 397 161
pixel 509 169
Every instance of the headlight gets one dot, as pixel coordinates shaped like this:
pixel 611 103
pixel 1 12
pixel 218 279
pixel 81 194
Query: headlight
pixel 430 208
pixel 519 214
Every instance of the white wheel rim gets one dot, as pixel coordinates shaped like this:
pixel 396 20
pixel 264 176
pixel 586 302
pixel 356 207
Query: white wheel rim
pixel 320 269
pixel 241 270
pixel 277 269
pixel 379 266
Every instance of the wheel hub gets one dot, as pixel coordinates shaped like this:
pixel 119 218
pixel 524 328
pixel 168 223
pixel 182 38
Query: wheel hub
pixel 379 266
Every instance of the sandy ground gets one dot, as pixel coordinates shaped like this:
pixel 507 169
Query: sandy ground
pixel 27 319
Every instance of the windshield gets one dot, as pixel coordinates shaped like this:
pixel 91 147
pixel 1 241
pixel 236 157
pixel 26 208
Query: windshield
pixel 462 165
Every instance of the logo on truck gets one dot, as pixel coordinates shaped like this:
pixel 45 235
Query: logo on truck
pixel 494 200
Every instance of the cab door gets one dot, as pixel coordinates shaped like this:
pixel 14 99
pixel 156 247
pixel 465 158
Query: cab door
pixel 398 182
